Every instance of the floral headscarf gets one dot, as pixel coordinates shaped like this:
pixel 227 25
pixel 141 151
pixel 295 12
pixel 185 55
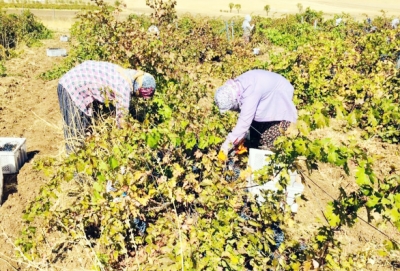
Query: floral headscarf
pixel 226 97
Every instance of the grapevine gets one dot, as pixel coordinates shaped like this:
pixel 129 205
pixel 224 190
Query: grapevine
pixel 182 209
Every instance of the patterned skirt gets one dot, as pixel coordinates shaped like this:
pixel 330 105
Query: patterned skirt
pixel 75 122
pixel 265 133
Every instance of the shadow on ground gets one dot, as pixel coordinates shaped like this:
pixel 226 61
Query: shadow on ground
pixel 10 181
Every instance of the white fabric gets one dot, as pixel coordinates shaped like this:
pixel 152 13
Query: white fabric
pixel 247 28
pixel 224 98
pixel 246 24
pixel 109 187
pixel 236 105
pixel 154 30
pixel 257 160
pixel 395 23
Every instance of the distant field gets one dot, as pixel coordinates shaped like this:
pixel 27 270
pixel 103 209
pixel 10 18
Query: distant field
pixel 355 8
pixel 61 20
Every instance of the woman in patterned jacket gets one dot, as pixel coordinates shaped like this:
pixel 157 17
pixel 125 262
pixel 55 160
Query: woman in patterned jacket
pixel 264 100
pixel 95 82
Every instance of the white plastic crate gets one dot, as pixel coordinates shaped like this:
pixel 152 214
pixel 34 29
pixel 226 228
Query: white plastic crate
pixel 64 38
pixel 256 51
pixel 12 161
pixel 56 52
pixel 257 160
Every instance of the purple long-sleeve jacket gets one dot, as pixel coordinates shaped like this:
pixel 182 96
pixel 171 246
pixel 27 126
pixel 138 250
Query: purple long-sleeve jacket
pixel 263 96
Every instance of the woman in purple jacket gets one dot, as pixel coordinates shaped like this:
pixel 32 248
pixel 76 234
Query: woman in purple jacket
pixel 264 100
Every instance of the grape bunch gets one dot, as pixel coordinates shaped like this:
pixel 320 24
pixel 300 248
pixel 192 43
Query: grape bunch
pixel 244 216
pixel 140 225
pixel 160 155
pixel 195 170
pixel 236 171
pixel 302 246
pixel 156 173
pixel 383 57
pixel 8 147
pixel 279 236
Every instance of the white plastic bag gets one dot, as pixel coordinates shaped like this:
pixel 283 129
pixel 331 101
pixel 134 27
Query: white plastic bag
pixel 257 160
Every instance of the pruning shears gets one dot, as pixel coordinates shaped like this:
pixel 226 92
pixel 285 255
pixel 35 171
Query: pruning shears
pixel 239 147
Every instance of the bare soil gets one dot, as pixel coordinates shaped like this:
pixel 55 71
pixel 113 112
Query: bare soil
pixel 29 110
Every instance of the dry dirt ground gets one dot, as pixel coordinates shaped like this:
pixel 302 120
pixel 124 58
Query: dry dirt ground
pixel 29 108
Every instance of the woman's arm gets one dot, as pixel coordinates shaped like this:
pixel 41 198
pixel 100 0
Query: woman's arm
pixel 247 113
